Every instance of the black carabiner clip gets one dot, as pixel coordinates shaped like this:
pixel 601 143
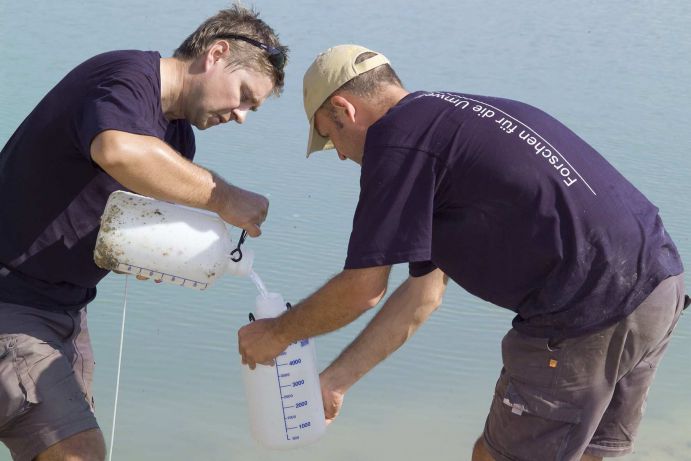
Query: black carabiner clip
pixel 236 254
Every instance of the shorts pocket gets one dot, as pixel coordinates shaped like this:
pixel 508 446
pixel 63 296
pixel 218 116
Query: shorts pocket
pixel 526 424
pixel 530 360
pixel 13 401
pixel 37 363
pixel 521 398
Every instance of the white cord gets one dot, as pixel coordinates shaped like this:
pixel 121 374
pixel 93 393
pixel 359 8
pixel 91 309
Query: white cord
pixel 117 382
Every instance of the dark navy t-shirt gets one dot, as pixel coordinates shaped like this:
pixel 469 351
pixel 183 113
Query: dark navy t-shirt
pixel 53 194
pixel 511 205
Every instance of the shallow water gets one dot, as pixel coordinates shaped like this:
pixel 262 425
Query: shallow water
pixel 615 72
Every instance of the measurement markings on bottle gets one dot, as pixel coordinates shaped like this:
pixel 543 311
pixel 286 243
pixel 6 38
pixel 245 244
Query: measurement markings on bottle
pixel 285 379
pixel 177 280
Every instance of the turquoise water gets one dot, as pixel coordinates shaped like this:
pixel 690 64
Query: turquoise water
pixel 616 72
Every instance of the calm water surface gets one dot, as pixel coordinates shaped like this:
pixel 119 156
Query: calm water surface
pixel 616 72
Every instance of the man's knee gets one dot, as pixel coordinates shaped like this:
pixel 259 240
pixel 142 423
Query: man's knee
pixel 587 457
pixel 84 446
pixel 480 453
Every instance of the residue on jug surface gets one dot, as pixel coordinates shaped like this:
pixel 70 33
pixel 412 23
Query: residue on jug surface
pixel 110 221
pixel 105 256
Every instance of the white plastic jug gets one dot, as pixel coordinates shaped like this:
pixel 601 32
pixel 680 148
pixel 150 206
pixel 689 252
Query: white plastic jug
pixel 284 400
pixel 168 242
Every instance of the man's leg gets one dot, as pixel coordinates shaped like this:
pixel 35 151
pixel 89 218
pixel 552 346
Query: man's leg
pixel 555 400
pixel 587 457
pixel 618 427
pixel 88 445
pixel 480 453
pixel 46 367
pixel 85 446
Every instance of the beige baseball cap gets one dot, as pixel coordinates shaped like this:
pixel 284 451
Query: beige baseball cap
pixel 329 71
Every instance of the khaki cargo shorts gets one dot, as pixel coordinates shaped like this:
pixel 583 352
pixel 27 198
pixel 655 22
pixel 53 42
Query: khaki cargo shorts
pixel 556 400
pixel 46 369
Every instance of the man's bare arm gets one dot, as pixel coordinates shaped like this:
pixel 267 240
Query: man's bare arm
pixel 340 301
pixel 149 166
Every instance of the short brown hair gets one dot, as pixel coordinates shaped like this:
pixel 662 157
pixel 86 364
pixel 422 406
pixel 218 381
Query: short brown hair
pixel 366 84
pixel 239 21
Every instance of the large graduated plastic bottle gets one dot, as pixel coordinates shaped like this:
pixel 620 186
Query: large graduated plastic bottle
pixel 168 242
pixel 284 401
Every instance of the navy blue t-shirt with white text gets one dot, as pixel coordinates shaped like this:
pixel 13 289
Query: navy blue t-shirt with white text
pixel 511 205
pixel 53 194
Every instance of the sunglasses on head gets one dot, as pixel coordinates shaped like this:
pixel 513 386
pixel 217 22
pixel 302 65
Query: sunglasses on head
pixel 277 57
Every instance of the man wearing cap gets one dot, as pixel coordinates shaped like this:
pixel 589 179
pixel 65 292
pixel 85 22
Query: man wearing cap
pixel 519 211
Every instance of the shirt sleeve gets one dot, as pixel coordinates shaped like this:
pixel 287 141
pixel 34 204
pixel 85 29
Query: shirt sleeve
pixel 125 101
pixel 420 268
pixel 180 136
pixel 393 218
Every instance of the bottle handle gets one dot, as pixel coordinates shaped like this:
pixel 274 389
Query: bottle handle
pixel 236 254
pixel 240 267
pixel 252 318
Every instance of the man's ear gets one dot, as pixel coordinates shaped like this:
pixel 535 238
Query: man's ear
pixel 344 106
pixel 215 53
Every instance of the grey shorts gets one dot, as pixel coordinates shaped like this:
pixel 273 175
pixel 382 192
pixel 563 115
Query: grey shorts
pixel 46 370
pixel 555 401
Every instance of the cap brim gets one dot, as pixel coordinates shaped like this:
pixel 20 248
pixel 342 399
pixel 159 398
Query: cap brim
pixel 316 141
